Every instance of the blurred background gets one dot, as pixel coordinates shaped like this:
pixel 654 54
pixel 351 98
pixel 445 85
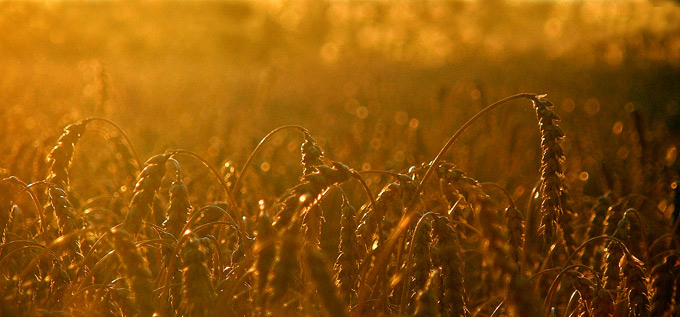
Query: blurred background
pixel 380 85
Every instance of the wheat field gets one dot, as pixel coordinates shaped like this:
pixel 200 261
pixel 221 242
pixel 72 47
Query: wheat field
pixel 300 158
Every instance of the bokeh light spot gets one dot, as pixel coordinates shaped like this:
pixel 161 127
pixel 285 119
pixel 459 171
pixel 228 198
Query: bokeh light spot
pixel 671 155
pixel 351 105
pixel 329 52
pixel 400 156
pixel 617 128
pixel 475 94
pixel 630 107
pixel 568 105
pixel 592 106
pixel 413 124
pixel 362 112
pixel 401 118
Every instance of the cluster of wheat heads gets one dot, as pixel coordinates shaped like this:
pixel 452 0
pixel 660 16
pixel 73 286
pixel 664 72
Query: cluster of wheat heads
pixel 433 241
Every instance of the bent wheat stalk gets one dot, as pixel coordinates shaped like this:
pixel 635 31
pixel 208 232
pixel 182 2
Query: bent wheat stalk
pixel 120 130
pixel 410 213
pixel 38 207
pixel 258 148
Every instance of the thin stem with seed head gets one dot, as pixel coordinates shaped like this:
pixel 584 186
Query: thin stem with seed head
pixel 553 286
pixel 365 186
pixel 122 132
pixel 409 214
pixel 36 202
pixel 258 148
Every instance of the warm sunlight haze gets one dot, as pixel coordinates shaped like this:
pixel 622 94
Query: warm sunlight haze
pixel 339 158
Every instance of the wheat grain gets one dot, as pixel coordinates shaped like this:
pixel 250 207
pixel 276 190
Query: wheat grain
pixel 446 254
pixel 65 218
pixel 585 287
pixel 603 302
pixel 420 254
pixel 317 272
pixel 347 263
pixel 61 156
pixel 662 286
pixel 197 289
pixel 312 185
pixel 596 227
pixel 632 272
pixel 515 225
pixel 370 225
pixel 148 182
pixel 551 168
pixel 136 271
pixel 178 209
pixel 312 155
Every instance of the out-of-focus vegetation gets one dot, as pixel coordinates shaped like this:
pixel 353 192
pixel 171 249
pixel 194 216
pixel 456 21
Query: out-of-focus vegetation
pixel 380 86
pixel 219 74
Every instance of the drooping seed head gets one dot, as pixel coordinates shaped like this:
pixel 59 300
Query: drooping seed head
pixel 60 158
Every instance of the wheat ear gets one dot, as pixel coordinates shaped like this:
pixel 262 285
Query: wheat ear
pixel 136 271
pixel 148 183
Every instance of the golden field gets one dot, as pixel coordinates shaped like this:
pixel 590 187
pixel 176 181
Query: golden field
pixel 140 177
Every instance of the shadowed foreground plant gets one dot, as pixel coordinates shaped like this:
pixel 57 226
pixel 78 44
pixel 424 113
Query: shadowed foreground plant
pixel 265 252
pixel 347 264
pixel 325 288
pixel 136 271
pixel 197 288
